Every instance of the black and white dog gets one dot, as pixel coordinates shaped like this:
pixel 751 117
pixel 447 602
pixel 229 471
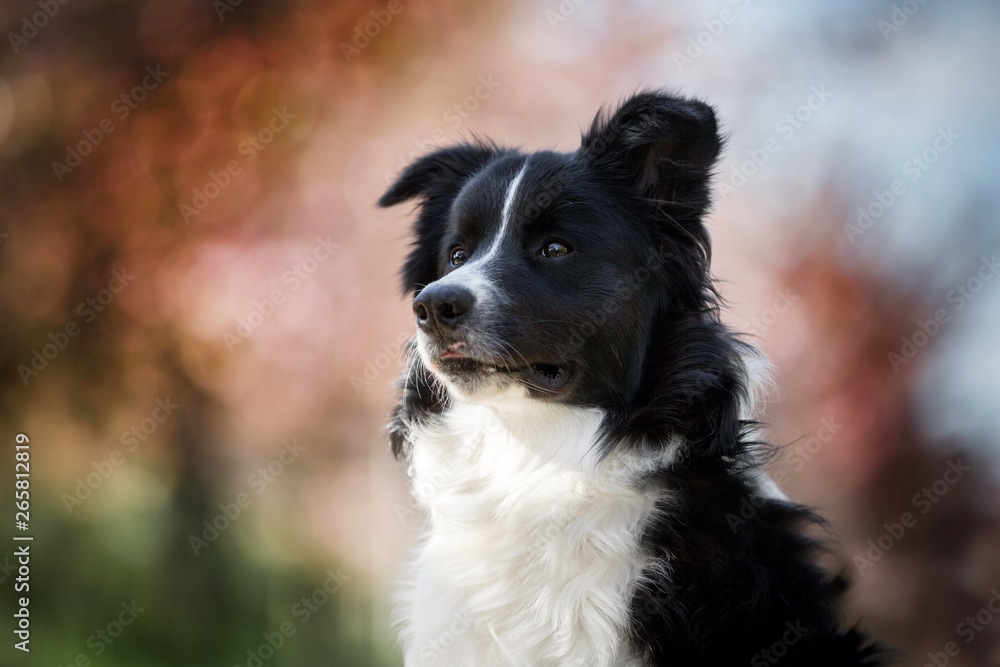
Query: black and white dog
pixel 578 423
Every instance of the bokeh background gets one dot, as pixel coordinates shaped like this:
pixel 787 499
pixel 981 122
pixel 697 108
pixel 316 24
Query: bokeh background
pixel 224 158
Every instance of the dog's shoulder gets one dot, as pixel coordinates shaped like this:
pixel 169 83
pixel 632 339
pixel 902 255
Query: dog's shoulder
pixel 743 585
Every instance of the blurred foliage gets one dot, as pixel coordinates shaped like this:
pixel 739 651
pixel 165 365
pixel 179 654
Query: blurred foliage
pixel 65 232
pixel 217 608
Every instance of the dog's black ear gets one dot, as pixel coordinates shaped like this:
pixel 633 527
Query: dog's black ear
pixel 435 179
pixel 664 146
pixel 442 168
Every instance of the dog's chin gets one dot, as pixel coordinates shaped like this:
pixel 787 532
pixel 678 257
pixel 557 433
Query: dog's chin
pixel 475 379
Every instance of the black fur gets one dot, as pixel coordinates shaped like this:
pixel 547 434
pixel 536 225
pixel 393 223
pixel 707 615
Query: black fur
pixel 422 397
pixel 636 319
pixel 435 178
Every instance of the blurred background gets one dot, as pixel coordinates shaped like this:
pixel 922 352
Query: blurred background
pixel 201 320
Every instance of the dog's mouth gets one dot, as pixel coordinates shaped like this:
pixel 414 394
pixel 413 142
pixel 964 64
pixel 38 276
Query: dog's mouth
pixel 544 377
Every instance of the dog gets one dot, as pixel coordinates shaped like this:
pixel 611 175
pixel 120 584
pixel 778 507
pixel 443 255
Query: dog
pixel 579 425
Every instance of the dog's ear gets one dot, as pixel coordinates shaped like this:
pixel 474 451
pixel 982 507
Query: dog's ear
pixel 435 179
pixel 662 145
pixel 443 168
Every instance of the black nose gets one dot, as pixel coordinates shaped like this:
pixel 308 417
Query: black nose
pixel 440 308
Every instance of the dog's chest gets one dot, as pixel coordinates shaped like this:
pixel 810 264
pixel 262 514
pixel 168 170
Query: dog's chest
pixel 533 547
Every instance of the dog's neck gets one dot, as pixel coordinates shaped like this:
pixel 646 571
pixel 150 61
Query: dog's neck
pixel 555 433
pixel 527 519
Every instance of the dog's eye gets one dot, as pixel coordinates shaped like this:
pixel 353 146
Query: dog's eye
pixel 554 249
pixel 458 256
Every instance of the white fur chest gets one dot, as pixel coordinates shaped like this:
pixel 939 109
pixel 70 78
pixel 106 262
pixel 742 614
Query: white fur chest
pixel 532 551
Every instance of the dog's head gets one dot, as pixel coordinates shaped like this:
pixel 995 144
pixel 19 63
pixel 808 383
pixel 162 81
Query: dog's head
pixel 542 273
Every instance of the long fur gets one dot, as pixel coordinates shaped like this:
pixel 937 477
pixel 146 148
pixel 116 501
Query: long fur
pixel 591 471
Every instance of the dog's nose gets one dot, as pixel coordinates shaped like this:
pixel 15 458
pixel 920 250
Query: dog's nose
pixel 440 308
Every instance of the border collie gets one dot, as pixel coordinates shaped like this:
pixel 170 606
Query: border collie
pixel 578 424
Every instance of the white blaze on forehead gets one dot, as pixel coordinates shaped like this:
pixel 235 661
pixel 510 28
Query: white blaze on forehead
pixel 472 274
pixel 505 216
